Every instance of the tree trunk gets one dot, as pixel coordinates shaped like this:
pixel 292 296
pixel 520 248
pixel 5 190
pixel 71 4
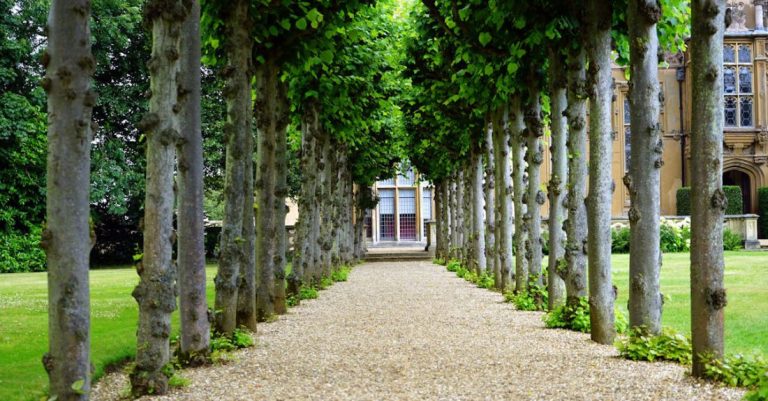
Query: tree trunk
pixel 535 196
pixel 558 104
pixel 68 238
pixel 447 196
pixel 326 207
pixel 455 217
pixel 193 307
pixel 307 212
pixel 280 168
pixel 467 190
pixel 576 222
pixel 601 291
pixel 478 222
pixel 246 293
pixel 643 179
pixel 517 127
pixel 490 203
pixel 156 291
pixel 708 202
pixel 237 128
pixel 266 111
pixel 503 171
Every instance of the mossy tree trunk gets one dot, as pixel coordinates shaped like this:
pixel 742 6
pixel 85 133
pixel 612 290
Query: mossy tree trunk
pixel 601 292
pixel 280 168
pixel 68 238
pixel 478 221
pixel 236 130
pixel 644 177
pixel 156 291
pixel 576 222
pixel 708 202
pixel 558 176
pixel 303 243
pixel 194 342
pixel 517 127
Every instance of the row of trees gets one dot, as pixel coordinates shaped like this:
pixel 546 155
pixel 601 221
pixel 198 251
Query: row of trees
pixel 490 81
pixel 320 73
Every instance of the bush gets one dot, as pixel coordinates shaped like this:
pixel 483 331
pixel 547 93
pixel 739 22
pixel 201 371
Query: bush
pixel 762 210
pixel 667 346
pixel 731 240
pixel 486 281
pixel 576 318
pixel 239 339
pixel 341 274
pixel 21 252
pixel 534 298
pixel 737 370
pixel 732 193
pixel 453 266
pixel 671 238
pixel 620 240
pixel 760 393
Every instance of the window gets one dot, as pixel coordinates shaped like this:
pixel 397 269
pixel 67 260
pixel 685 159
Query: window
pixel 627 134
pixel 426 209
pixel 407 209
pixel 407 180
pixel 737 84
pixel 387 214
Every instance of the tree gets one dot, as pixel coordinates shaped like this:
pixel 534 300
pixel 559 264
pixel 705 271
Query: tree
pixel 68 238
pixel 195 330
pixel 644 176
pixel 708 202
pixel 558 176
pixel 601 291
pixel 156 291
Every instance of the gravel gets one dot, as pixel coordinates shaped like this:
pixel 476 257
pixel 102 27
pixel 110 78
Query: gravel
pixel 413 331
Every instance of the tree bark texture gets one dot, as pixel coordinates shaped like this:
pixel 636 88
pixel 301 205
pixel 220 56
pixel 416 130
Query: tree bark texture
pixel 467 190
pixel 279 241
pixel 67 238
pixel 478 221
pixel 238 126
pixel 195 330
pixel 504 199
pixel 535 196
pixel 156 291
pixel 576 222
pixel 491 254
pixel 517 128
pixel 447 218
pixel 708 202
pixel 644 177
pixel 601 292
pixel 304 241
pixel 558 177
pixel 455 249
pixel 246 293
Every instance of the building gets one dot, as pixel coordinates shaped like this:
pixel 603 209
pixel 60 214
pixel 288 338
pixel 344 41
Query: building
pixel 405 205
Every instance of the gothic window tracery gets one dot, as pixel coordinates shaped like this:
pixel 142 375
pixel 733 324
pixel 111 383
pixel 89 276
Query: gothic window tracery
pixel 738 85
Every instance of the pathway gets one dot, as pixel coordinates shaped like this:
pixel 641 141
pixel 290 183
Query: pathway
pixel 413 331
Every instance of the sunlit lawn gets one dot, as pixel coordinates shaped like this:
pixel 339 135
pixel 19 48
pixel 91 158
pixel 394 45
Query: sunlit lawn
pixel 23 314
pixel 746 281
pixel 24 326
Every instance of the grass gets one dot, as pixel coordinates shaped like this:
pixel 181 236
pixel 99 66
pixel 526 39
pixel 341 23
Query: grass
pixel 746 280
pixel 24 327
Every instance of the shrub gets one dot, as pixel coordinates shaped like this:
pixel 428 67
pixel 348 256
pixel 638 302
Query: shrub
pixel 760 393
pixel 762 210
pixel 731 240
pixel 671 239
pixel 576 317
pixel 341 274
pixel 732 193
pixel 453 265
pixel 439 261
pixel 325 282
pixel 21 252
pixel 534 298
pixel 486 281
pixel 306 292
pixel 737 370
pixel 667 346
pixel 238 339
pixel 620 240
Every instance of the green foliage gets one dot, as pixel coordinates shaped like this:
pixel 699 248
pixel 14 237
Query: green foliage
pixel 486 281
pixel 453 265
pixel 670 345
pixel 439 261
pixel 737 370
pixel 324 283
pixel 572 317
pixel 731 240
pixel 760 393
pixel 306 292
pixel 238 339
pixel 732 194
pixel 620 240
pixel 534 298
pixel 21 252
pixel 672 238
pixel 179 381
pixel 762 210
pixel 341 274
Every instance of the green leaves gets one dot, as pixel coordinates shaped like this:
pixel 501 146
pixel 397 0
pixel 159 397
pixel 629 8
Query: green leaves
pixel 484 38
pixel 301 23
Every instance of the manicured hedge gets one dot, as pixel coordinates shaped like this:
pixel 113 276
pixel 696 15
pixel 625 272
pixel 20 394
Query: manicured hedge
pixel 732 193
pixel 762 210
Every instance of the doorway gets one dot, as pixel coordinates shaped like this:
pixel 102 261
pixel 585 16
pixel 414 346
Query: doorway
pixel 742 180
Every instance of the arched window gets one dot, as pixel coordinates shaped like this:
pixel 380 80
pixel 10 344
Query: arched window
pixel 738 85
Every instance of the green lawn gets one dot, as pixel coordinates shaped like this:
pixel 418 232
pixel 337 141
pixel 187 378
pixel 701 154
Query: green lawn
pixel 746 280
pixel 23 315
pixel 24 326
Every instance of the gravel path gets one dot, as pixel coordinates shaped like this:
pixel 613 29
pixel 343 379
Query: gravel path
pixel 413 331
